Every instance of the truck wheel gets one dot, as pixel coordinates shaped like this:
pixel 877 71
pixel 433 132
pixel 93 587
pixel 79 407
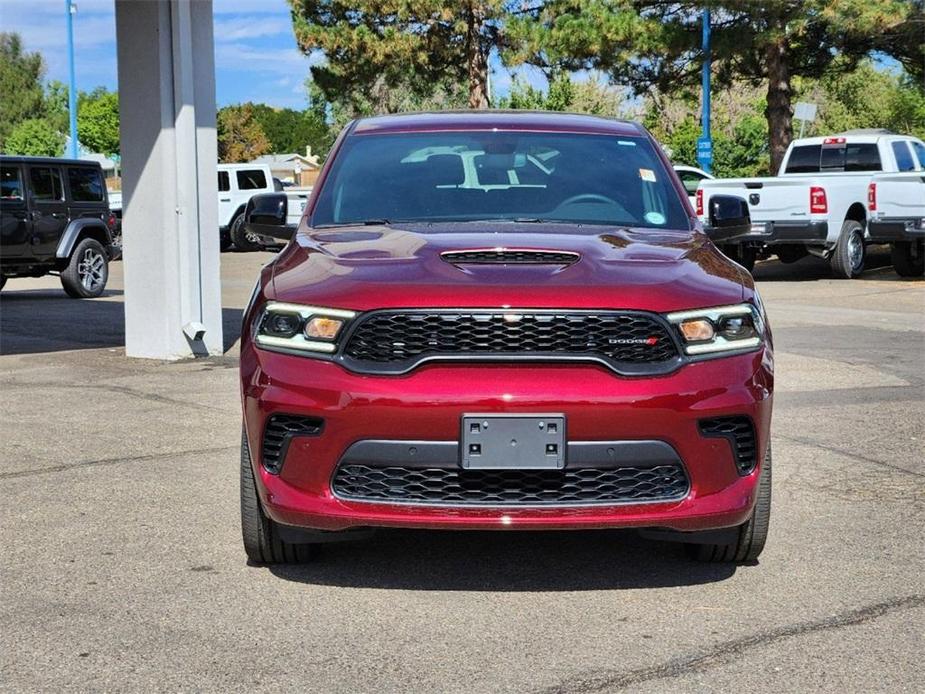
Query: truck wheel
pixel 2 281
pixel 743 255
pixel 847 259
pixel 261 540
pixel 791 254
pixel 87 271
pixel 224 239
pixel 908 258
pixel 753 533
pixel 243 241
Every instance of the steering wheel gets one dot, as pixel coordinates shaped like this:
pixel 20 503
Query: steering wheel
pixel 587 197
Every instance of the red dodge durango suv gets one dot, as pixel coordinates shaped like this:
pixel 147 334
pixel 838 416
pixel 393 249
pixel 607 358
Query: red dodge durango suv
pixel 495 320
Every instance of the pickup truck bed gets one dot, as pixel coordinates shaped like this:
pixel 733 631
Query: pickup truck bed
pixel 825 200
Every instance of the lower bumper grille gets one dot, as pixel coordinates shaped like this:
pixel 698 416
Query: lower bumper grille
pixel 510 487
pixel 740 432
pixel 280 430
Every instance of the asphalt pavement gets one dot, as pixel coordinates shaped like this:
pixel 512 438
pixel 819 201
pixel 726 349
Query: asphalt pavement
pixel 122 567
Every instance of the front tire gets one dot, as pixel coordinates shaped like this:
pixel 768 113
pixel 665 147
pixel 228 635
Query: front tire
pixel 908 258
pixel 243 241
pixel 753 533
pixel 261 539
pixel 87 271
pixel 224 239
pixel 848 257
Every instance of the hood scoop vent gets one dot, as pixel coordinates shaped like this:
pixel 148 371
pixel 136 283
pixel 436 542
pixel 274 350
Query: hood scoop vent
pixel 510 256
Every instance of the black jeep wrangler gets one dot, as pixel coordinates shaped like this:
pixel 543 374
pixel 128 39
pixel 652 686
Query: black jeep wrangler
pixel 55 218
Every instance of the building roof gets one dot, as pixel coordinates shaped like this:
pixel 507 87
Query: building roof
pixel 286 160
pixel 541 121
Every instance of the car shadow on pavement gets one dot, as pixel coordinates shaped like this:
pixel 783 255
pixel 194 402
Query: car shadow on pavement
pixel 46 320
pixel 503 561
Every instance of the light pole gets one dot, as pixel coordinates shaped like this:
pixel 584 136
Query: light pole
pixel 705 142
pixel 70 9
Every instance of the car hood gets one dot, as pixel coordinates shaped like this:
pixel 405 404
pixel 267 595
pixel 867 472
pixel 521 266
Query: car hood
pixel 404 266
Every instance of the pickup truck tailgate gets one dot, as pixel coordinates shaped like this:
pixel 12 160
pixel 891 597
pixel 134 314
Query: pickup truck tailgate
pixel 769 199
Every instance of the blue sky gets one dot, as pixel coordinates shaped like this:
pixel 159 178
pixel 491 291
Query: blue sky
pixel 256 58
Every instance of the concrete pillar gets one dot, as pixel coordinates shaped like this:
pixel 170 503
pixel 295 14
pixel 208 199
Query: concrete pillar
pixel 170 227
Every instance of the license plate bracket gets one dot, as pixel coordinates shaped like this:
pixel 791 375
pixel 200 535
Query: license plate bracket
pixel 512 442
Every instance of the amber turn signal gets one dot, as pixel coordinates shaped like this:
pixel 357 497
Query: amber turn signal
pixel 697 330
pixel 322 328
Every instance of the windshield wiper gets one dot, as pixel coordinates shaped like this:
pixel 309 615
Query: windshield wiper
pixel 513 220
pixel 375 222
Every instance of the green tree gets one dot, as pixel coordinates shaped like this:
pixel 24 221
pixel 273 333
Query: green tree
pixel 891 101
pixel 240 137
pixel 21 95
pixel 906 42
pixel 35 137
pixel 381 98
pixel 289 130
pixel 565 94
pixel 375 45
pixel 646 43
pixel 98 121
pixel 740 131
pixel 56 108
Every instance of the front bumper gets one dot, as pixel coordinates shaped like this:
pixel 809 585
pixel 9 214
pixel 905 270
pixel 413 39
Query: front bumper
pixel 894 229
pixel 427 404
pixel 811 233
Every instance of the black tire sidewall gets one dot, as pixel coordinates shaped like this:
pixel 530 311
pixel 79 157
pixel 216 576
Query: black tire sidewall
pixel 903 261
pixel 239 236
pixel 70 278
pixel 841 256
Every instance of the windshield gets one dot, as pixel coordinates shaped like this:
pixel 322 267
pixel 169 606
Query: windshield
pixel 504 176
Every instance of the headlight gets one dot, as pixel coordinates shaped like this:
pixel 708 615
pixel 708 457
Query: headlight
pixel 302 328
pixel 722 329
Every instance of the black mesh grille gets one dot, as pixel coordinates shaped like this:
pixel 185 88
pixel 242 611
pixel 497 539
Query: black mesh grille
pixel 620 338
pixel 510 487
pixel 741 435
pixel 510 257
pixel 280 429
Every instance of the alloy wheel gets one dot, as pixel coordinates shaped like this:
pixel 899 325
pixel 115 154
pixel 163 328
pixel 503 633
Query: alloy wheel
pixel 856 250
pixel 90 269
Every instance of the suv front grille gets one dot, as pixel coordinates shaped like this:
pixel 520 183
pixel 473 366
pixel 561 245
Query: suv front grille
pixel 280 430
pixel 627 341
pixel 510 257
pixel 510 487
pixel 740 432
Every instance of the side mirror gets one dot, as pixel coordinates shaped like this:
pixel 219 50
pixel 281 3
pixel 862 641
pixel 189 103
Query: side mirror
pixel 265 215
pixel 729 218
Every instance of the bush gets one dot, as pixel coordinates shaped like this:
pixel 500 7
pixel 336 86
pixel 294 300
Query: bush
pixel 35 137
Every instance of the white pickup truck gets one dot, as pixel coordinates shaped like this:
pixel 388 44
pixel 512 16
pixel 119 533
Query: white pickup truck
pixel 821 200
pixel 237 183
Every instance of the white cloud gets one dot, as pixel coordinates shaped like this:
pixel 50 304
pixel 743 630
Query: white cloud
pixel 246 58
pixel 238 28
pixel 255 50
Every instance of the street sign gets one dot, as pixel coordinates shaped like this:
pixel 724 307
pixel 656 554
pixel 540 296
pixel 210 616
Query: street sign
pixel 705 152
pixel 804 111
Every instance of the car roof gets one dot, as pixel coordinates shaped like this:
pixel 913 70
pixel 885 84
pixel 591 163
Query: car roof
pixel 685 167
pixel 57 161
pixel 242 165
pixel 856 136
pixel 494 119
